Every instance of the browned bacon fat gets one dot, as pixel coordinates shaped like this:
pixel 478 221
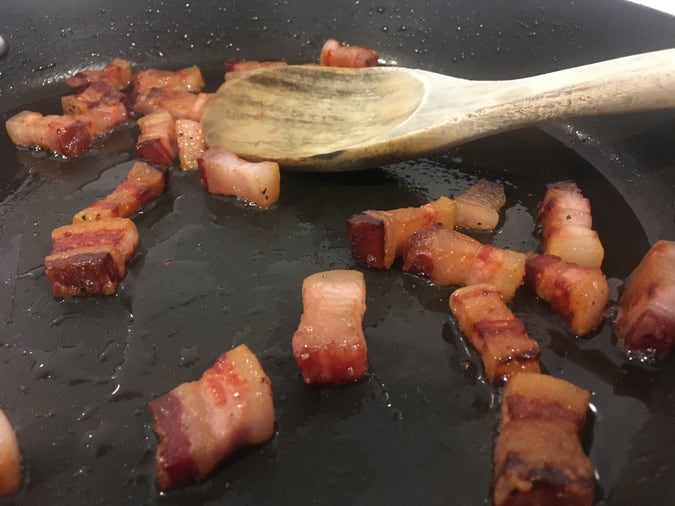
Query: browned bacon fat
pixel 61 134
pixel 646 319
pixel 499 337
pixel 191 143
pixel 333 54
pixel 578 294
pixel 117 72
pixel 478 207
pixel 565 219
pixel 377 238
pixel 448 257
pixel 538 457
pixel 329 345
pixel 202 422
pixel 10 459
pixel 142 184
pixel 223 172
pixel 157 141
pixel 89 258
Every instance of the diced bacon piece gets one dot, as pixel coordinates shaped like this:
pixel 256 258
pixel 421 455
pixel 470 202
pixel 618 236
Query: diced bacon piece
pixel 89 258
pixel 120 232
pixel 179 103
pixel 377 238
pixel 448 257
pixel 10 459
pixel 157 142
pixel 529 396
pixel 85 271
pixel 578 294
pixel 117 72
pixel 478 207
pixel 98 93
pixel 233 66
pixel 95 113
pixel 101 107
pixel 646 319
pixel 223 172
pixel 541 462
pixel 188 79
pixel 191 143
pixel 200 423
pixel 142 184
pixel 64 135
pixel 565 219
pixel 538 457
pixel 329 345
pixel 333 54
pixel 104 118
pixel 499 337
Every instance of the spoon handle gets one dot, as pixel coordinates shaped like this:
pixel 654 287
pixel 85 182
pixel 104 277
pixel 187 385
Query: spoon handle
pixel 633 83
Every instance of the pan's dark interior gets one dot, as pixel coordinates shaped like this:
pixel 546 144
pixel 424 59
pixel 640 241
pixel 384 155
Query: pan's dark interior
pixel 212 272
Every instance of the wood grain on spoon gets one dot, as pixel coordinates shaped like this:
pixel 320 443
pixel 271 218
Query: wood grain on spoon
pixel 327 119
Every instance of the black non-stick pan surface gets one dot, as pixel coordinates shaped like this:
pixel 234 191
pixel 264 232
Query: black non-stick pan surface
pixel 211 272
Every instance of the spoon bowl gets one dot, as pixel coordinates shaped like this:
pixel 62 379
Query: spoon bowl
pixel 317 118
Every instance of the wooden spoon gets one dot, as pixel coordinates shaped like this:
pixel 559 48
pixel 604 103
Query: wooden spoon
pixel 327 119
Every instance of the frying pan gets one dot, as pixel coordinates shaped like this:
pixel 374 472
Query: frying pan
pixel 211 272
